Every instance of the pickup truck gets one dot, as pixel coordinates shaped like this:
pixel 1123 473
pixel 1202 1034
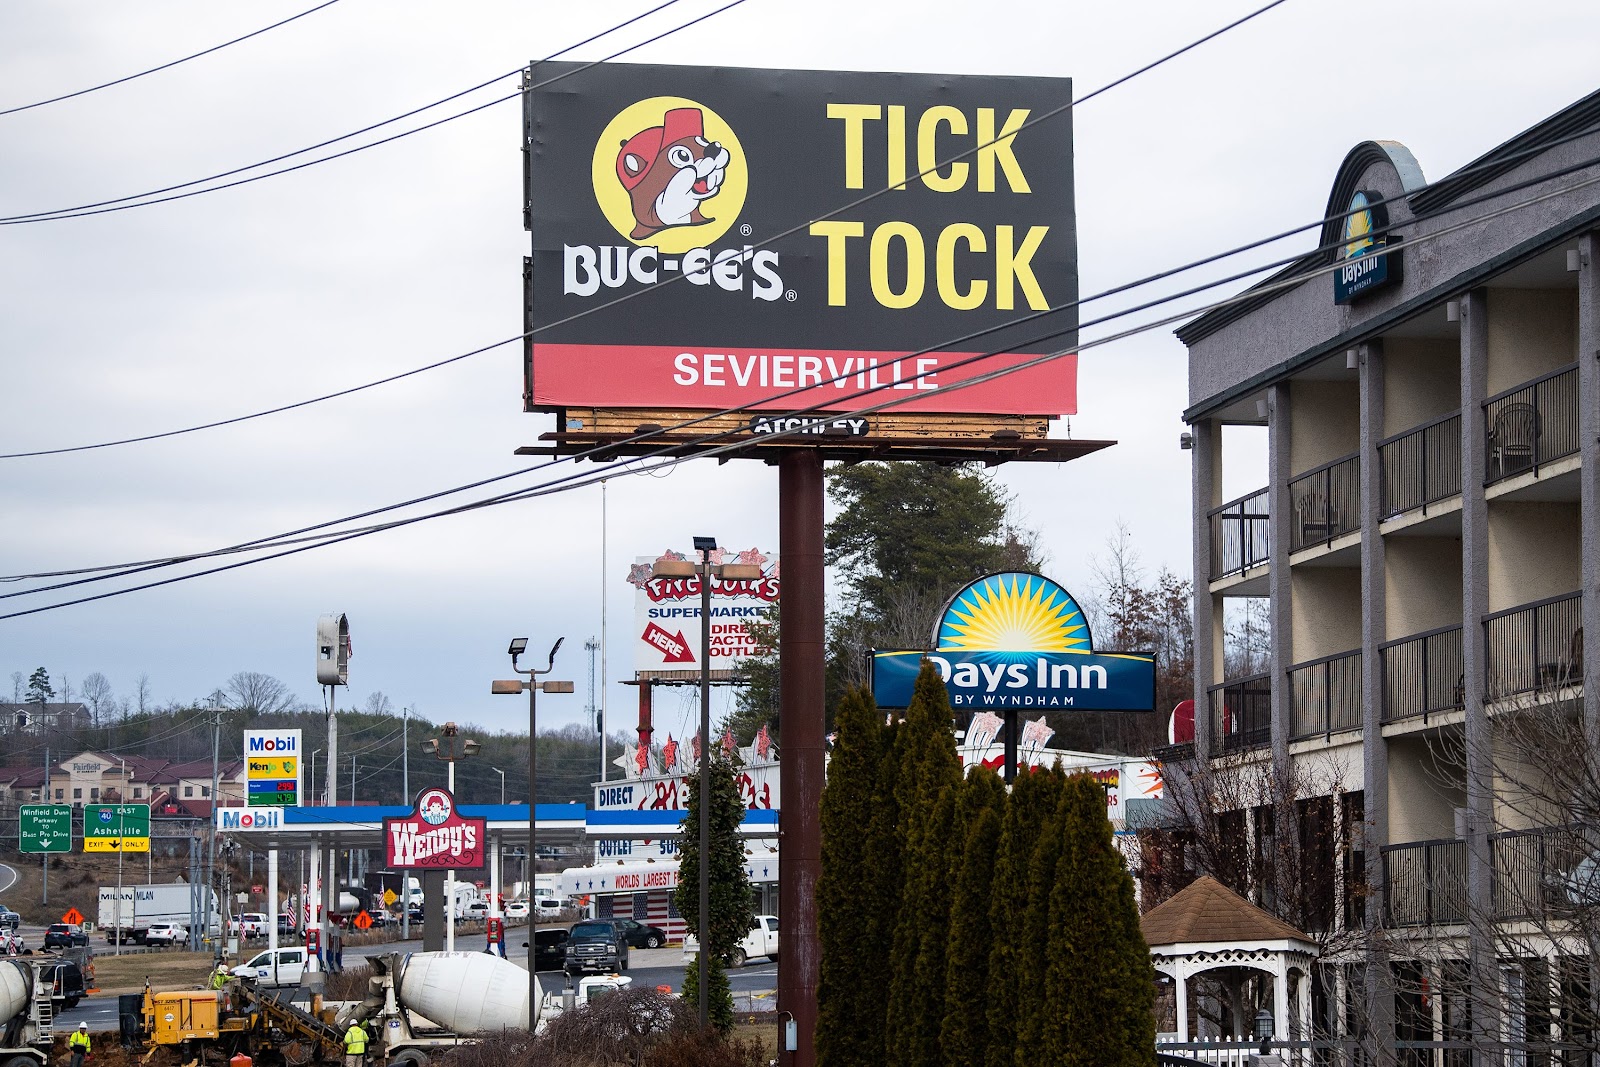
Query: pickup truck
pixel 9 920
pixel 762 940
pixel 596 945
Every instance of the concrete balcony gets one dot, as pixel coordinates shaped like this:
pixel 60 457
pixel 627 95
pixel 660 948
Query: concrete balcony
pixel 1423 675
pixel 1241 539
pixel 1532 426
pixel 1241 714
pixel 1535 648
pixel 1421 470
pixel 1540 874
pixel 1325 696
pixel 1327 505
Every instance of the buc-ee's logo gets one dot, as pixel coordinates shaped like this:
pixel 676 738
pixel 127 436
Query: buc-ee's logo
pixel 671 177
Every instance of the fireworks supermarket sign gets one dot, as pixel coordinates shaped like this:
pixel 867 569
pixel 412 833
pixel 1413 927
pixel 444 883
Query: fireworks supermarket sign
pixel 670 186
pixel 434 836
pixel 667 613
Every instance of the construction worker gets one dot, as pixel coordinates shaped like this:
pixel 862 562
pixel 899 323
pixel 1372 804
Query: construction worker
pixel 355 1046
pixel 78 1044
pixel 219 977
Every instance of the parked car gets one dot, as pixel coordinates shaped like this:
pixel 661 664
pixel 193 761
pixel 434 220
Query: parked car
pixel 639 935
pixel 596 945
pixel 285 970
pixel 517 909
pixel 64 935
pixel 762 940
pixel 9 920
pixel 250 924
pixel 549 949
pixel 166 934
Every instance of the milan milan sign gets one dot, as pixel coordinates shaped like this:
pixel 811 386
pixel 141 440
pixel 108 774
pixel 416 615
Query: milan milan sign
pixel 434 836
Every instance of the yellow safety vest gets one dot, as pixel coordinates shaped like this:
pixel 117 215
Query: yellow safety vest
pixel 79 1039
pixel 355 1041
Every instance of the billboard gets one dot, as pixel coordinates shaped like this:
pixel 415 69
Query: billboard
pixel 272 769
pixel 667 612
pixel 435 836
pixel 638 175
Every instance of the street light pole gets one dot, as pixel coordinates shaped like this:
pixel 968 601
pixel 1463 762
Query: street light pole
pixel 502 775
pixel 519 645
pixel 706 571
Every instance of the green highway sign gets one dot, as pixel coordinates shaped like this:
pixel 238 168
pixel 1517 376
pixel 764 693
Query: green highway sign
pixel 116 828
pixel 44 828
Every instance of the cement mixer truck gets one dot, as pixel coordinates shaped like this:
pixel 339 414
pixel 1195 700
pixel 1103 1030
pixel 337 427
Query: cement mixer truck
pixel 425 1003
pixel 27 1012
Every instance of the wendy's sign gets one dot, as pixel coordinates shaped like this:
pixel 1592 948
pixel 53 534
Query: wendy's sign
pixel 434 836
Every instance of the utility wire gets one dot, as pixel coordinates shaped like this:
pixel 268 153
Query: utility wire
pixel 167 66
pixel 621 299
pixel 667 461
pixel 292 536
pixel 42 215
pixel 68 213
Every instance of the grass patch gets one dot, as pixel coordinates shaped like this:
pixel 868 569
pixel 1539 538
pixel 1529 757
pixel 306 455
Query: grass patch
pixel 166 971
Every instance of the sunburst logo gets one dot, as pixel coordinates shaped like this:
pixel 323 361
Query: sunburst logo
pixel 1013 612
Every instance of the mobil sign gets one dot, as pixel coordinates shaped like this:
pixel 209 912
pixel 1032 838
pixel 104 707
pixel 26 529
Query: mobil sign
pixel 731 209
pixel 667 612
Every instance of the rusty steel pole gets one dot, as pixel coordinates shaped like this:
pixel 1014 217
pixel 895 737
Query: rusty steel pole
pixel 802 662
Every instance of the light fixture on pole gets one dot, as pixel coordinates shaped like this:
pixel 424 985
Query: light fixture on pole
pixel 445 747
pixel 532 687
pixel 705 570
pixel 502 775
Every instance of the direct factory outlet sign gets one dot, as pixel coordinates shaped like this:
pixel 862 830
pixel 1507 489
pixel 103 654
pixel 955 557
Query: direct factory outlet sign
pixel 744 190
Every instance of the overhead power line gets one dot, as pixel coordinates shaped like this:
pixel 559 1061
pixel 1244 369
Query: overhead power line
pixel 119 205
pixel 573 482
pixel 166 66
pixel 611 303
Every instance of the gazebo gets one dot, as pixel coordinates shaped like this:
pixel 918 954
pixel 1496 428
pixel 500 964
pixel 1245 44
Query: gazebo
pixel 1209 927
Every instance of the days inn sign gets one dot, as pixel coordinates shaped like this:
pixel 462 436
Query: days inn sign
pixel 1018 641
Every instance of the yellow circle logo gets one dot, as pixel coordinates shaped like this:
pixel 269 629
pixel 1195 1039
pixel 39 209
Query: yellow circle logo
pixel 671 173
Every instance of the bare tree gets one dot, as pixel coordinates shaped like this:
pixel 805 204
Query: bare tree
pixel 98 696
pixel 258 694
pixel 378 704
pixel 18 679
pixel 141 694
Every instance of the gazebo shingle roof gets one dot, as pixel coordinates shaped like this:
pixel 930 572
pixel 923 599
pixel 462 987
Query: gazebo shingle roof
pixel 1208 911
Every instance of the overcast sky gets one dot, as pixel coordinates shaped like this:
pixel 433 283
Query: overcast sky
pixel 147 320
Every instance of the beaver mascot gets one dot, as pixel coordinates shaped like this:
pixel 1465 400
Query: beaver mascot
pixel 669 171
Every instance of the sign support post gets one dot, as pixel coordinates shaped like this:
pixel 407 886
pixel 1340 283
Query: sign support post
pixel 802 664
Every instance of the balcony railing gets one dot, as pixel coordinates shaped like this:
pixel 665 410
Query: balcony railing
pixel 1421 465
pixel 1326 502
pixel 1422 674
pixel 1531 425
pixel 1240 535
pixel 1425 883
pixel 1325 695
pixel 1534 647
pixel 1541 873
pixel 1241 714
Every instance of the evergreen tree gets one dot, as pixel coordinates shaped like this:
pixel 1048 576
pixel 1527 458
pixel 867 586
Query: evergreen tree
pixel 881 908
pixel 40 691
pixel 849 1025
pixel 1033 951
pixel 964 1033
pixel 929 773
pixel 731 913
pixel 1026 808
pixel 1099 987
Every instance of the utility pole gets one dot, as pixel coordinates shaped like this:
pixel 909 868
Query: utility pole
pixel 44 860
pixel 592 646
pixel 211 831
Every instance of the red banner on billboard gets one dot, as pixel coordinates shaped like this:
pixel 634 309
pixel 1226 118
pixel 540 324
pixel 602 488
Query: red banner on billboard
pixel 643 375
pixel 434 836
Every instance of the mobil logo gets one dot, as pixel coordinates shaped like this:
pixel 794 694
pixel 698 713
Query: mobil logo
pixel 249 818
pixel 280 743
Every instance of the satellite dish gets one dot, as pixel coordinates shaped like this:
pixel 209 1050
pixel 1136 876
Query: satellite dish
pixel 1180 727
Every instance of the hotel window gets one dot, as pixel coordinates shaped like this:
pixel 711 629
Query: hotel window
pixel 94 792
pixel 77 794
pixel 205 790
pixel 59 794
pixel 188 790
pixel 138 791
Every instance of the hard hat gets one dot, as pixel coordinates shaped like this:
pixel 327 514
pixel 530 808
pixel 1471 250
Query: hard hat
pixel 83 1026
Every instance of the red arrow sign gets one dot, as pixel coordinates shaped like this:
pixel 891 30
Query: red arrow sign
pixel 674 649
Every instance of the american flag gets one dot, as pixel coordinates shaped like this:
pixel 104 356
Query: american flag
pixel 763 742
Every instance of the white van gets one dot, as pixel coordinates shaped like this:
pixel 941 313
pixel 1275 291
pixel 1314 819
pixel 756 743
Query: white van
pixel 286 970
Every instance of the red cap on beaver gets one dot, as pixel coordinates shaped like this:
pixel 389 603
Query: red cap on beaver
pixel 646 145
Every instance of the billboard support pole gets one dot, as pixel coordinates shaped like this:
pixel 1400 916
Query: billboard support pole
pixel 802 663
